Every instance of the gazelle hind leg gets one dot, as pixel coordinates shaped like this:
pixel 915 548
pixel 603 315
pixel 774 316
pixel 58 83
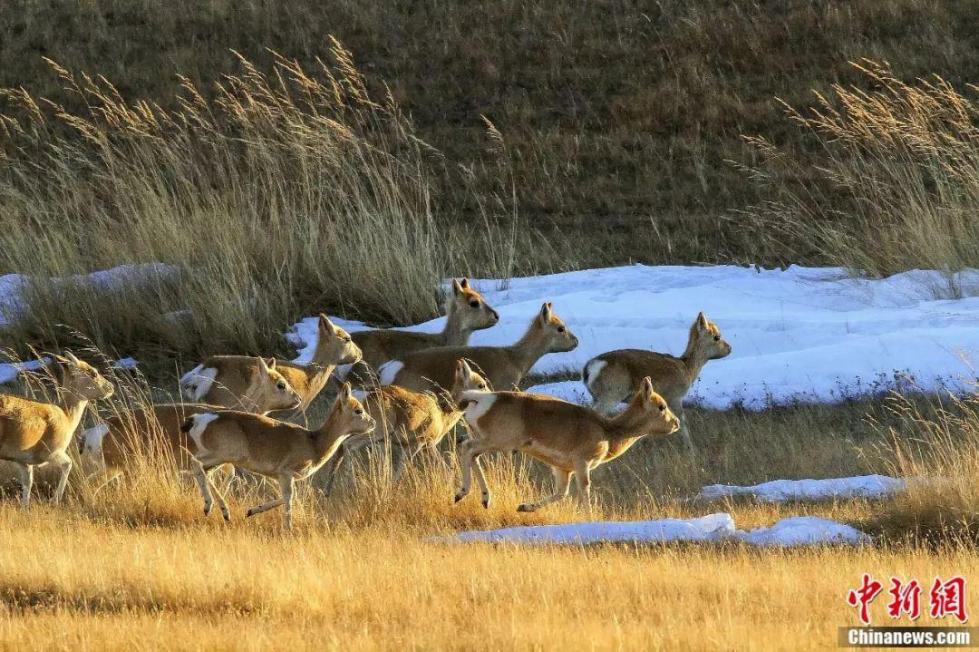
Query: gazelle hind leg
pixel 562 483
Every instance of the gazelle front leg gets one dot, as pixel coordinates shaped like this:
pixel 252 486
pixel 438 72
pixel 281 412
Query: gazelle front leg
pixel 222 505
pixel 64 464
pixel 684 431
pixel 562 483
pixel 582 473
pixel 26 484
pixel 286 484
pixel 202 483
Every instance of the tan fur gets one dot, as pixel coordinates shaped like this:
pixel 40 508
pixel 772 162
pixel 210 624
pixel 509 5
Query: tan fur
pixel 569 438
pixel 410 421
pixel 155 428
pixel 466 312
pixel 34 433
pixel 334 346
pixel 672 376
pixel 249 383
pixel 503 366
pixel 272 448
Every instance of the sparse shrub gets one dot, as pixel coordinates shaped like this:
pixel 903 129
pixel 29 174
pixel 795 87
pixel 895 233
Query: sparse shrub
pixel 895 181
pixel 285 193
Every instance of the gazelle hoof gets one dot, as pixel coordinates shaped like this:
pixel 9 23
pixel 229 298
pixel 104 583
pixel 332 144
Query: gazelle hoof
pixel 459 496
pixel 486 502
pixel 249 513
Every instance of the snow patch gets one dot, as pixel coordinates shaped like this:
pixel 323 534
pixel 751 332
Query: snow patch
pixel 793 531
pixel 800 334
pixel 777 491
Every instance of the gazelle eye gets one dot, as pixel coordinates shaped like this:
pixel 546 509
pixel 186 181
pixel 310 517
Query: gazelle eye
pixel 717 338
pixel 358 412
pixel 474 303
pixel 560 329
pixel 482 386
pixel 662 408
pixel 281 385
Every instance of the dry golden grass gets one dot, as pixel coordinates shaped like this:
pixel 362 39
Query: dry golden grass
pixel 896 186
pixel 69 582
pixel 134 564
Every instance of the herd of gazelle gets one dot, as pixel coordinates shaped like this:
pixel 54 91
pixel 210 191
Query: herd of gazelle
pixel 428 383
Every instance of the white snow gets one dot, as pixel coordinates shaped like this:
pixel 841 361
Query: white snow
pixel 804 531
pixel 792 531
pixel 803 334
pixel 777 491
pixel 12 286
pixel 714 527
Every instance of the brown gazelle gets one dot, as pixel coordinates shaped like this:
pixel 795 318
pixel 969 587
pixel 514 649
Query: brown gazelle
pixel 268 447
pixel 410 421
pixel 156 428
pixel 613 376
pixel 571 439
pixel 34 433
pixel 239 382
pixel 503 366
pixel 466 311
pixel 334 347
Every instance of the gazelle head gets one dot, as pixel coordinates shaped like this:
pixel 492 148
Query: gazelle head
pixel 79 378
pixel 647 404
pixel 348 414
pixel 466 379
pixel 557 336
pixel 468 309
pixel 334 346
pixel 705 340
pixel 270 390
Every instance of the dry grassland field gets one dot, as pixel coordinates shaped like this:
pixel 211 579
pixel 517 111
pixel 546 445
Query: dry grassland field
pixel 406 206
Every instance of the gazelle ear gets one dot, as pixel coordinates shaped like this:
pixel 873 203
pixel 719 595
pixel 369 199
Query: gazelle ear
pixel 71 357
pixel 458 287
pixel 270 363
pixel 464 283
pixel 646 387
pixel 263 366
pixel 346 392
pixel 326 324
pixel 545 312
pixel 702 321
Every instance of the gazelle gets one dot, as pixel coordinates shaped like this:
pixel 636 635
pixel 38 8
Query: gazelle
pixel 111 445
pixel 268 447
pixel 240 382
pixel 334 347
pixel 466 311
pixel 613 376
pixel 571 439
pixel 34 433
pixel 503 366
pixel 411 421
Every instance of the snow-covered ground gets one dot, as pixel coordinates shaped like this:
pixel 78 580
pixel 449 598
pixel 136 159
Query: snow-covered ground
pixel 793 531
pixel 778 491
pixel 803 334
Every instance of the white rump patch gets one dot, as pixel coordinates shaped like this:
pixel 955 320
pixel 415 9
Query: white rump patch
pixel 389 371
pixel 200 423
pixel 480 404
pixel 592 369
pixel 92 439
pixel 196 383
